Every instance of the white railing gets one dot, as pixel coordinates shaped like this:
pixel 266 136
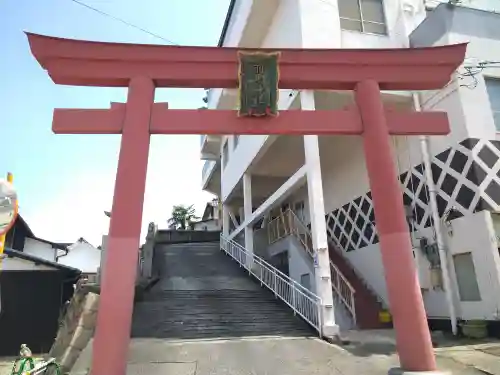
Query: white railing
pixel 289 224
pixel 302 301
pixel 286 224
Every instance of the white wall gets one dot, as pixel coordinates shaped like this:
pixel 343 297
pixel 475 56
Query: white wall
pixel 249 147
pixel 472 233
pixel 476 234
pixel 284 32
pixel 344 173
pixel 312 24
pixel 475 102
pixel 83 256
pixel 487 5
pixel 16 264
pixel 234 33
pixel 39 249
pixel 207 225
pixel 299 262
pixel 285 29
pixel 318 24
pixel 303 23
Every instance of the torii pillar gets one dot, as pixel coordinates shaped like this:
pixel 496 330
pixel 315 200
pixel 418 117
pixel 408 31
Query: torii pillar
pixel 141 68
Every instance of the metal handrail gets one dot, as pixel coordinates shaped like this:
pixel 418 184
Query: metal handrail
pixel 301 300
pixel 287 223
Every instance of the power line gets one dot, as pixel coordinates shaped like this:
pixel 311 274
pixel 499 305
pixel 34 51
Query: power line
pixel 124 22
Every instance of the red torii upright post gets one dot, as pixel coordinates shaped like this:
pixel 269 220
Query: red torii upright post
pixel 141 68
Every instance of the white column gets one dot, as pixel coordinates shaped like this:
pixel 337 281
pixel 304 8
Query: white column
pixel 225 208
pixel 241 214
pixel 247 208
pixel 225 220
pixel 318 225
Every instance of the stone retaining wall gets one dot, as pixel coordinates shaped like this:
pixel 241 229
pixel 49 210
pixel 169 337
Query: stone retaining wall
pixel 76 327
pixel 186 236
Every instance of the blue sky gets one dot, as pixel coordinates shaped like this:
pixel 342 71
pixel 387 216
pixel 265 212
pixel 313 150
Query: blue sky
pixel 64 182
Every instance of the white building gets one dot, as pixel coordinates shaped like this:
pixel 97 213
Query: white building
pixel 265 182
pixel 80 255
pixel 210 219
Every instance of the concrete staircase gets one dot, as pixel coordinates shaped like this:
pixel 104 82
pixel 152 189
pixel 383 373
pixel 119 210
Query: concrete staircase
pixel 202 293
pixel 349 289
pixel 366 302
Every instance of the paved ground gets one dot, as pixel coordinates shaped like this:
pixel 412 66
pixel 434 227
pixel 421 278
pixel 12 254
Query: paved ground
pixel 368 353
pixel 291 356
pixel 6 365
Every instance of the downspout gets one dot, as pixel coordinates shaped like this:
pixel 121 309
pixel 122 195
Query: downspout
pixel 425 149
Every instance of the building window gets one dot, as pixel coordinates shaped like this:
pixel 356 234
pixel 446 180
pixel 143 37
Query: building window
pixel 468 288
pixel 225 155
pixel 366 16
pixel 236 139
pixel 493 89
pixel 305 281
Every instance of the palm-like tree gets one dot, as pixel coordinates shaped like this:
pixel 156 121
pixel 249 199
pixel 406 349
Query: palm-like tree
pixel 182 216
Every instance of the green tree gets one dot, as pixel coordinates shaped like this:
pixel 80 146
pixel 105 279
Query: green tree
pixel 182 217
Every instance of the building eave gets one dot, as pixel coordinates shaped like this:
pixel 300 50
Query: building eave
pixel 225 27
pixel 37 260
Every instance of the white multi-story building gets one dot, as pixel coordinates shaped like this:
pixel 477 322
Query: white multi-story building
pixel 263 180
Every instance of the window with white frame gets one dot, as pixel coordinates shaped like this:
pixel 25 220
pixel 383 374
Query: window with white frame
pixel 493 89
pixel 366 16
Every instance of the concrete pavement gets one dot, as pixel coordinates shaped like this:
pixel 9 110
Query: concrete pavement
pixel 263 356
pixel 369 352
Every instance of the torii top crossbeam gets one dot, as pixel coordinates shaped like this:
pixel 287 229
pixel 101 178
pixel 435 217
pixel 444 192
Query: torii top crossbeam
pixel 86 63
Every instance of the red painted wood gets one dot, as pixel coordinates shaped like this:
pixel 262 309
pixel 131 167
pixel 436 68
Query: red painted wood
pixel 405 299
pixel 175 121
pixel 89 121
pixel 417 123
pixel 110 347
pixel 85 63
pixel 296 122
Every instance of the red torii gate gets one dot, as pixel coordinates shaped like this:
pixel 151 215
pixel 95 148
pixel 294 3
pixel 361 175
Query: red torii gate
pixel 141 68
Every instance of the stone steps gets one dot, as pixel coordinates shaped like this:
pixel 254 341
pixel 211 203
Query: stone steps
pixel 202 293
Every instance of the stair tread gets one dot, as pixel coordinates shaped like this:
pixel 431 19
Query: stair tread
pixel 209 309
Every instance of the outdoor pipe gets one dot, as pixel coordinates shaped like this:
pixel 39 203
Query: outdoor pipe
pixel 425 149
